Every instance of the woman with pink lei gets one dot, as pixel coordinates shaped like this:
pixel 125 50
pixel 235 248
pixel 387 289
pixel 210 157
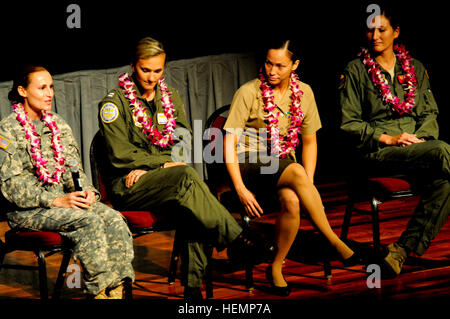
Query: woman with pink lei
pixel 277 105
pixel 36 147
pixel 389 116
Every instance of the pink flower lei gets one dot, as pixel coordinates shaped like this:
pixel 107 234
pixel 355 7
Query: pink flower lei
pixel 160 139
pixel 282 145
pixel 381 83
pixel 38 162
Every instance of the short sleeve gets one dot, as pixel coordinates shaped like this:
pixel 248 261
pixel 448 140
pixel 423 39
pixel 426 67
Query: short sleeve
pixel 311 122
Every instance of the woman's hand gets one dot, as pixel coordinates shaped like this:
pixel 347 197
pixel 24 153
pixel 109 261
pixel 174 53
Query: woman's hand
pixel 76 200
pixel 172 164
pixel 90 197
pixel 249 202
pixel 403 139
pixel 133 177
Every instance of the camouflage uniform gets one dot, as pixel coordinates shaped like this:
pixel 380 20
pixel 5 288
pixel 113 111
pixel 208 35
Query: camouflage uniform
pixel 199 213
pixel 101 238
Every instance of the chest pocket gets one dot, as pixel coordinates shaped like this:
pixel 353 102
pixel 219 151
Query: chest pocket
pixel 12 164
pixel 373 104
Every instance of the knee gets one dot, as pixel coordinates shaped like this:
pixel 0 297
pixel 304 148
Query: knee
pixel 440 149
pixel 289 201
pixel 185 171
pixel 108 214
pixel 92 220
pixel 296 173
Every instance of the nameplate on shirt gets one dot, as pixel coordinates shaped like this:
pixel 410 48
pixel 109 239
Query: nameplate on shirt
pixel 161 117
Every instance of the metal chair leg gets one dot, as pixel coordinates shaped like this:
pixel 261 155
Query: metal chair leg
pixel 208 273
pixel 327 269
pixel 174 259
pixel 42 275
pixel 249 277
pixel 347 218
pixel 62 270
pixel 3 252
pixel 375 224
pixel 128 289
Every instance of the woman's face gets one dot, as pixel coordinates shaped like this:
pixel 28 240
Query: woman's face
pixel 381 35
pixel 38 95
pixel 278 66
pixel 148 71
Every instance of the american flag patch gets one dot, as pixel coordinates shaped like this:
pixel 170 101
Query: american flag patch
pixel 4 143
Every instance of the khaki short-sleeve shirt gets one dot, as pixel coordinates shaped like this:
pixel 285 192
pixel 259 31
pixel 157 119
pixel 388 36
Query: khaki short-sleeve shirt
pixel 246 116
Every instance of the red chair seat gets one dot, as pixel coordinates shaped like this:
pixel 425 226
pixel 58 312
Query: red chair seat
pixel 389 184
pixel 29 240
pixel 141 219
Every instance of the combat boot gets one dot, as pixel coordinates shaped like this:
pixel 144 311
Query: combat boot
pixel 101 295
pixel 193 294
pixel 115 293
pixel 395 259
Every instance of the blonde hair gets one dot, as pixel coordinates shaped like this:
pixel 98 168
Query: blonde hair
pixel 148 47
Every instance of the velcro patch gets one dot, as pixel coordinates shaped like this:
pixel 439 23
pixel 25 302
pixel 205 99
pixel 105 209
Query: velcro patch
pixel 109 112
pixel 4 142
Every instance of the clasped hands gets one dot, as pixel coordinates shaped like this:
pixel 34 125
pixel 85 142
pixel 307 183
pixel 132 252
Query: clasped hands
pixel 403 139
pixel 134 176
pixel 76 200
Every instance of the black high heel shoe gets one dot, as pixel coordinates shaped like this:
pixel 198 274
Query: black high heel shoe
pixel 353 260
pixel 276 290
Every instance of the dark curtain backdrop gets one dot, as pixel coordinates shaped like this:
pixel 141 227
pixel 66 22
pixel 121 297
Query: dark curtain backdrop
pixel 211 48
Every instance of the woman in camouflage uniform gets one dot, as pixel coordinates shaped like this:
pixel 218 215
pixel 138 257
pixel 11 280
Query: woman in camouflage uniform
pixel 36 147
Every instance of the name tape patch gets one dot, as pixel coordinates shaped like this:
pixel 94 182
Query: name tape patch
pixel 162 119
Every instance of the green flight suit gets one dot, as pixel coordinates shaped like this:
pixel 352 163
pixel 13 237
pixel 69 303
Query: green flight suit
pixel 365 117
pixel 198 214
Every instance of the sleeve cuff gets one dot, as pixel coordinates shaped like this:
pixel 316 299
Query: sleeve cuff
pixel 46 199
pixel 376 138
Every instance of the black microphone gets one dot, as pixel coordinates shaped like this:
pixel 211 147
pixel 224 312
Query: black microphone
pixel 73 164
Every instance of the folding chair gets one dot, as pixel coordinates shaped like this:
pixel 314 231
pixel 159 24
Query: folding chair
pixel 43 244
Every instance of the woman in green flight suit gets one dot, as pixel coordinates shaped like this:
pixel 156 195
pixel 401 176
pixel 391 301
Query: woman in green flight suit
pixel 389 115
pixel 144 174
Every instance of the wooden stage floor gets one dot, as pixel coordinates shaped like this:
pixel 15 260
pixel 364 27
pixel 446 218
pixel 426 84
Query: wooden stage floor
pixel 422 278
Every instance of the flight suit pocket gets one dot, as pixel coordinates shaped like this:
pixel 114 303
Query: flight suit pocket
pixel 425 101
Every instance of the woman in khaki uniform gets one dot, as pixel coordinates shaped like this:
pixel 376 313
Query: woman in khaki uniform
pixel 279 104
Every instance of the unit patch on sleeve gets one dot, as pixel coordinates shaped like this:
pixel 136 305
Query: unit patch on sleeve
pixel 341 81
pixel 109 112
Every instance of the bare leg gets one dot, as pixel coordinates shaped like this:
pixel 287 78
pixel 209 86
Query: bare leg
pixel 286 227
pixel 295 177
